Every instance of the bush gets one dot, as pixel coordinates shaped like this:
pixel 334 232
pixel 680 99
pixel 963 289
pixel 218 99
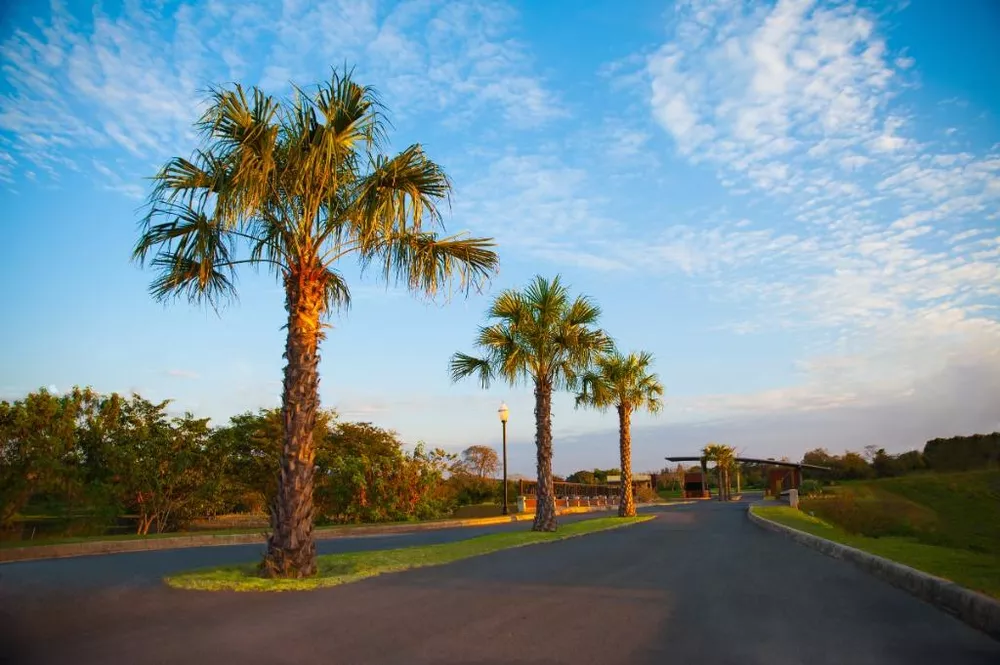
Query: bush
pixel 645 494
pixel 811 488
pixel 874 516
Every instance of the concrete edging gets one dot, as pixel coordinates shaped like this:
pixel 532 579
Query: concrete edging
pixel 67 550
pixel 976 609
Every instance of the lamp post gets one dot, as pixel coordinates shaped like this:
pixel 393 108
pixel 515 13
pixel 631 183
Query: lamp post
pixel 503 411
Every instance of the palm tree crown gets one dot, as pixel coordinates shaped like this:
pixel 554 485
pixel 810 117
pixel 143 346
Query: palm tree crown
pixel 539 334
pixel 617 380
pixel 297 186
pixel 542 336
pixel 301 185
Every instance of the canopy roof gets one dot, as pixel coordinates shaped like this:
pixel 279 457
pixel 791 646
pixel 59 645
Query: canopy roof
pixel 752 460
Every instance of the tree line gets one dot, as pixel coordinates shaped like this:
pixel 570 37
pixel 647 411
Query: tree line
pixel 958 453
pixel 92 459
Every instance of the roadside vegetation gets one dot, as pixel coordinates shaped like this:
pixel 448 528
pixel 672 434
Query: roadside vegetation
pixel 976 570
pixel 83 464
pixel 937 510
pixel 336 569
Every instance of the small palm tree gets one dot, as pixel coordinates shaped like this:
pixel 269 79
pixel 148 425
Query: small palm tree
pixel 724 458
pixel 542 336
pixel 301 185
pixel 625 383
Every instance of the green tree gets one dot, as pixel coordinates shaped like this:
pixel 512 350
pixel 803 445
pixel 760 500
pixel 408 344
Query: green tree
pixel 301 185
pixel 37 443
pixel 625 384
pixel 543 336
pixel 582 477
pixel 249 449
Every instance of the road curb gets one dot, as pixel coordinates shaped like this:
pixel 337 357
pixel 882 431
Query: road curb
pixel 975 609
pixel 208 540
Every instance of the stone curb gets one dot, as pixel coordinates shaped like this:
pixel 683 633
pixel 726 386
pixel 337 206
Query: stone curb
pixel 142 545
pixel 976 609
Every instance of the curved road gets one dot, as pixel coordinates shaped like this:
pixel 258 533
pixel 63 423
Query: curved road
pixel 699 584
pixel 149 567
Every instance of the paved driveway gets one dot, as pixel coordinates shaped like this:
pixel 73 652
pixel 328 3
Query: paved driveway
pixel 148 568
pixel 697 585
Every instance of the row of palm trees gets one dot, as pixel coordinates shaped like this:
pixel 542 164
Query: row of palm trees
pixel 542 336
pixel 299 185
pixel 724 458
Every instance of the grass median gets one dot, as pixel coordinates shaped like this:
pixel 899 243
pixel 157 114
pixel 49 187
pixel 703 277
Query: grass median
pixel 979 571
pixel 348 567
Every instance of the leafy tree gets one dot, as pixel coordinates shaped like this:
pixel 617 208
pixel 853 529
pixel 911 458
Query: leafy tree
pixel 480 461
pixel 365 476
pixel 542 336
pixel 961 453
pixel 37 442
pixel 582 477
pixel 626 384
pixel 249 449
pixel 161 465
pixel 301 184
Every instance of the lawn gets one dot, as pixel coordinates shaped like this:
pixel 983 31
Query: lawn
pixel 337 569
pixel 956 510
pixel 975 570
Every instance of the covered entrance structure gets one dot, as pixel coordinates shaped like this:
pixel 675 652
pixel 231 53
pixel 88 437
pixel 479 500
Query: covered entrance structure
pixel 781 476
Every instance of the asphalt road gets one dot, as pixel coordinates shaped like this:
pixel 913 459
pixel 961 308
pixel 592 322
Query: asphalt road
pixel 699 584
pixel 149 568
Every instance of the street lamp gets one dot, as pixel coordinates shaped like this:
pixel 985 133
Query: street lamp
pixel 503 411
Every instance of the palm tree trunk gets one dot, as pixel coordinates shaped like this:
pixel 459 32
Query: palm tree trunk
pixel 291 551
pixel 626 507
pixel 545 511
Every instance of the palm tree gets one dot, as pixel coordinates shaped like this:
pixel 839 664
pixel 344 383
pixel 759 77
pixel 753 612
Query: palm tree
pixel 724 458
pixel 300 185
pixel 622 382
pixel 542 336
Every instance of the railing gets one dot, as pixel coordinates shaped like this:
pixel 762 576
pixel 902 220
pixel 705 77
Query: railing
pixel 567 490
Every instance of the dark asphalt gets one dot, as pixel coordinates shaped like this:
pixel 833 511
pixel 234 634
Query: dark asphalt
pixel 699 584
pixel 149 568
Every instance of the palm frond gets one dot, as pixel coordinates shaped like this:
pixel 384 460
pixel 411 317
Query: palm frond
pixel 426 263
pixel 463 366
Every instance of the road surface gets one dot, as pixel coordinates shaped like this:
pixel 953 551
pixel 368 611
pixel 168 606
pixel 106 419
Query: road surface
pixel 148 568
pixel 699 584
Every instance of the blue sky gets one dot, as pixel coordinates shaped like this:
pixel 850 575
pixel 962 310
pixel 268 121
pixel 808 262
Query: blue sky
pixel 794 206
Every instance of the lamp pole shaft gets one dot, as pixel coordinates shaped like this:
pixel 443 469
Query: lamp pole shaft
pixel 504 467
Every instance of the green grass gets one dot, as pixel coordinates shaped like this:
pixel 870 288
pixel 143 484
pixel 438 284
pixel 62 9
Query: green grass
pixel 979 571
pixel 955 510
pixel 337 569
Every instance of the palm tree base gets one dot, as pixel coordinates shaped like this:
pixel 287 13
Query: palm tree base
pixel 287 563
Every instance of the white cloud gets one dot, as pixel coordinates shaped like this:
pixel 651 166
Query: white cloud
pixel 130 84
pixel 795 101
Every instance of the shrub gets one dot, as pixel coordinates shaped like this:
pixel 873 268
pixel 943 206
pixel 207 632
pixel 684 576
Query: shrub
pixel 644 494
pixel 874 516
pixel 811 488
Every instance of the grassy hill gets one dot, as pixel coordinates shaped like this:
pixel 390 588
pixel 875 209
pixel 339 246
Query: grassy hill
pixel 946 524
pixel 958 510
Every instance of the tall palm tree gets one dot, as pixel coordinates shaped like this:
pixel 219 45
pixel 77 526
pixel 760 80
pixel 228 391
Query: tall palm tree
pixel 542 336
pixel 625 383
pixel 300 185
pixel 724 458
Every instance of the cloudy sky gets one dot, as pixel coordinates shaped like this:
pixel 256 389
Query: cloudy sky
pixel 794 206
